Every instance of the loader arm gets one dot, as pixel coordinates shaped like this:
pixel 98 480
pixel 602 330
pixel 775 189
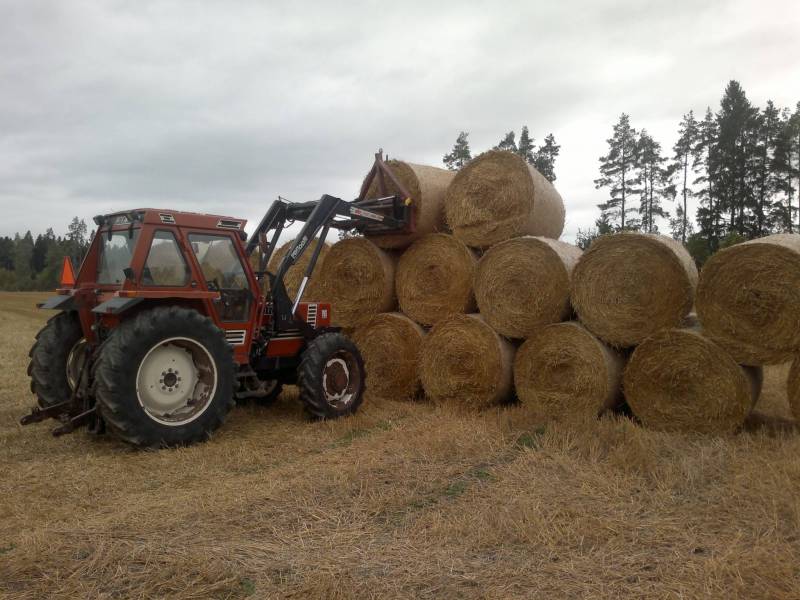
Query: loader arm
pixel 387 215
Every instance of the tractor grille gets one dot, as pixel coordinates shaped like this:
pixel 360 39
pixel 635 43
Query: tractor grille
pixel 235 337
pixel 311 315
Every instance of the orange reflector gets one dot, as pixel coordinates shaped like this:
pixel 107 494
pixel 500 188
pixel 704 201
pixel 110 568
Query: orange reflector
pixel 67 274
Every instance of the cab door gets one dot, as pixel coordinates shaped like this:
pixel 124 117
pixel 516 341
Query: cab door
pixel 220 264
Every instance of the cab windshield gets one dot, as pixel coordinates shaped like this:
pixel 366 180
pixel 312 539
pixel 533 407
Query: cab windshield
pixel 116 253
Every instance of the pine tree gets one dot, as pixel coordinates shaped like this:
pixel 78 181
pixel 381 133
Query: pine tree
pixel 704 153
pixel 654 181
pixel 763 176
pixel 526 147
pixel 782 167
pixel 76 239
pixel 617 174
pixel 545 158
pixel 460 155
pixel 507 143
pixel 687 136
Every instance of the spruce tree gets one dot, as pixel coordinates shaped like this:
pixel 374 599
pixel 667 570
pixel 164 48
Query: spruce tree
pixel 737 124
pixel 617 169
pixel 507 143
pixel 545 158
pixel 682 156
pixel 526 147
pixel 460 155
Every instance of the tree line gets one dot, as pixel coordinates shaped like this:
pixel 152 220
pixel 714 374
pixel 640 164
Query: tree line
pixel 742 164
pixel 28 263
pixel 543 157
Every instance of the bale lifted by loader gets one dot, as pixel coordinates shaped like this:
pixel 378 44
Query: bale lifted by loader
pixel 166 325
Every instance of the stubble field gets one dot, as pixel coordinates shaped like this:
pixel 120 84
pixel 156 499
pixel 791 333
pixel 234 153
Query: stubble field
pixel 403 500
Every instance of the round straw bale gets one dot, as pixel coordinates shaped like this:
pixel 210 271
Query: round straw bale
pixel 465 362
pixel 680 380
pixel 498 196
pixel 524 283
pixel 357 278
pixel 629 285
pixel 748 299
pixel 563 371
pixel 390 344
pixel 793 388
pixel 295 274
pixel 427 186
pixel 434 278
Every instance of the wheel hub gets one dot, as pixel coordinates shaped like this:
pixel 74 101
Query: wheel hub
pixel 340 379
pixel 176 381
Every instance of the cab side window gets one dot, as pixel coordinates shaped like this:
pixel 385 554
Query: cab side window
pixel 165 265
pixel 224 273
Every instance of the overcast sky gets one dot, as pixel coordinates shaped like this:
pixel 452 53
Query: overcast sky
pixel 219 107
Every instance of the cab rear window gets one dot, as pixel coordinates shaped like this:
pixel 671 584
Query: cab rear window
pixel 116 253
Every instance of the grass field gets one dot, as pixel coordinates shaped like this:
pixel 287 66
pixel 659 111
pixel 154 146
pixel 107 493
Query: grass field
pixel 403 500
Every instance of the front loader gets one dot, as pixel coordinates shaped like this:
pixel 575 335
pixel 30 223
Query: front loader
pixel 166 325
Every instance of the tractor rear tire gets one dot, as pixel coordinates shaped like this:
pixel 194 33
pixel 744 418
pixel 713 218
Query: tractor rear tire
pixel 53 367
pixel 164 378
pixel 331 377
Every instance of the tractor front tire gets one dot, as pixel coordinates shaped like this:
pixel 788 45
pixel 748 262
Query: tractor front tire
pixel 53 367
pixel 164 378
pixel 331 377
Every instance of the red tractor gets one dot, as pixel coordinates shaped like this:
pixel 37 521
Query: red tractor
pixel 166 325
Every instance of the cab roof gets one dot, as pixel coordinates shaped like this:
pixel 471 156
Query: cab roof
pixel 159 216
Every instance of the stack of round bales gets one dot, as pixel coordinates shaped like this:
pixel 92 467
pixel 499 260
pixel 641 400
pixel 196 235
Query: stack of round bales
pixel 516 283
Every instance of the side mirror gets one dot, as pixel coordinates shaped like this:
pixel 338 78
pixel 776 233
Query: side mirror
pixel 129 274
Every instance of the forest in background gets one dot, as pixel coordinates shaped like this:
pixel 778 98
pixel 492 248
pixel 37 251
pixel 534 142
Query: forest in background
pixel 741 164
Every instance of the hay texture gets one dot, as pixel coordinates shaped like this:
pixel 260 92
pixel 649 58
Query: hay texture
pixel 564 372
pixel 498 196
pixel 627 286
pixel 524 283
pixel 748 299
pixel 793 388
pixel 295 274
pixel 357 278
pixel 680 380
pixel 390 345
pixel 434 278
pixel 463 361
pixel 427 186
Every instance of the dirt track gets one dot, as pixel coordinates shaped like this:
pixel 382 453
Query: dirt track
pixel 404 500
